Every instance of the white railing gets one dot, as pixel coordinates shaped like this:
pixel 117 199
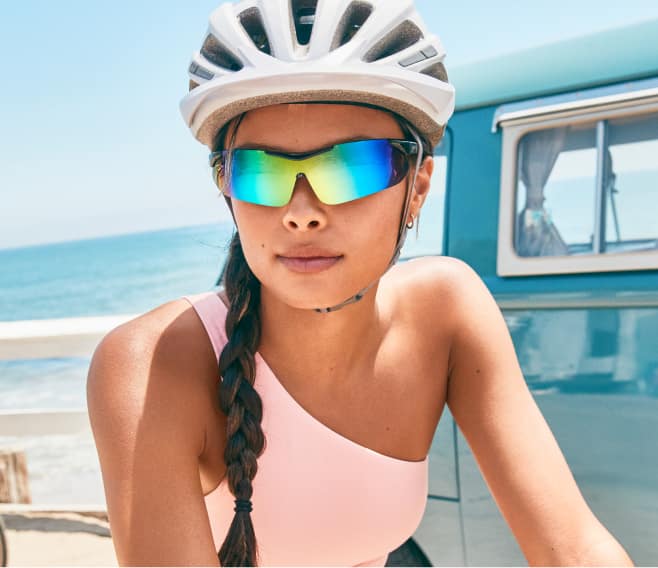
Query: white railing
pixel 20 423
pixel 44 339
pixel 65 337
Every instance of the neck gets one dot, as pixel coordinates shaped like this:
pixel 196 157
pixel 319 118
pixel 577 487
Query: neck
pixel 326 346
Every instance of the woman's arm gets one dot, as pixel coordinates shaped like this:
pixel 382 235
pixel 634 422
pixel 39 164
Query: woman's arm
pixel 511 442
pixel 149 435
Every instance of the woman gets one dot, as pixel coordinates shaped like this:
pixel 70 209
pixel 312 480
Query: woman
pixel 287 419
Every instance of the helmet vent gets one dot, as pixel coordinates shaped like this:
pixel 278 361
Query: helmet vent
pixel 199 71
pixel 352 21
pixel 405 35
pixel 303 14
pixel 252 22
pixel 438 71
pixel 218 55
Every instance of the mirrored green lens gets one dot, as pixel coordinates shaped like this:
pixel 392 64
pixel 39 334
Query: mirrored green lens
pixel 343 173
pixel 351 171
pixel 261 178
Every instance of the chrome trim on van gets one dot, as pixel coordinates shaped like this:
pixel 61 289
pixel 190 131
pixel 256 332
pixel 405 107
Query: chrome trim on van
pixel 598 244
pixel 530 110
pixel 576 300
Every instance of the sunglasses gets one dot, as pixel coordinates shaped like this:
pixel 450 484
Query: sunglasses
pixel 338 174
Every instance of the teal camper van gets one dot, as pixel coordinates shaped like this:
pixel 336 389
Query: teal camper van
pixel 547 185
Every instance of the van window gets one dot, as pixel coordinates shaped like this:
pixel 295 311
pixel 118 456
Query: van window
pixel 555 192
pixel 632 184
pixel 583 180
pixel 579 181
pixel 432 215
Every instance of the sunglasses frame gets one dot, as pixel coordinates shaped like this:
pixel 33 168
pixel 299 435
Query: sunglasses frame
pixel 217 159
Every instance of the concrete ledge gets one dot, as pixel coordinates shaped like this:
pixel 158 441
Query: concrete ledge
pixel 63 337
pixel 95 511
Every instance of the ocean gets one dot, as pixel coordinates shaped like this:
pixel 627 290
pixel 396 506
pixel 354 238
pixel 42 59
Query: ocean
pixel 126 274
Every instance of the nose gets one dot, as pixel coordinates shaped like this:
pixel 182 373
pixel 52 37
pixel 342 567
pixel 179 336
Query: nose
pixel 304 212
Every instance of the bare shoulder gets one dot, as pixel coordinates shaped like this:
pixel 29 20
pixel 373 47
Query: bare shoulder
pixel 431 271
pixel 148 402
pixel 430 287
pixel 452 291
pixel 427 294
pixel 156 358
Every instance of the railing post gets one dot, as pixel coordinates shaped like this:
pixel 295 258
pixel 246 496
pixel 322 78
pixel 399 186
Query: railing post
pixel 14 484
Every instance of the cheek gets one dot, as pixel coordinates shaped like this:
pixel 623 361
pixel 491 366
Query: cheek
pixel 254 224
pixel 377 220
pixel 252 220
pixel 385 211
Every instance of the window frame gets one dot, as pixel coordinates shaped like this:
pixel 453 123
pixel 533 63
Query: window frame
pixel 594 107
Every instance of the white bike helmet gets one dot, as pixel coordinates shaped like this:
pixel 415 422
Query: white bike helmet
pixel 262 52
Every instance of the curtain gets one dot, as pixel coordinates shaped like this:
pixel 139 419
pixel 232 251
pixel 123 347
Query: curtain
pixel 536 233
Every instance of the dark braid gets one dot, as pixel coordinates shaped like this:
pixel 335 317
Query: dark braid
pixel 238 399
pixel 241 403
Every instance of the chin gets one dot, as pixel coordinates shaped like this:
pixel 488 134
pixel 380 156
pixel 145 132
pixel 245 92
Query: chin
pixel 317 290
pixel 310 296
pixel 309 300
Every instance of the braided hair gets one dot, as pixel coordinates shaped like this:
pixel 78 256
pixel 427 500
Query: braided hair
pixel 238 399
pixel 240 402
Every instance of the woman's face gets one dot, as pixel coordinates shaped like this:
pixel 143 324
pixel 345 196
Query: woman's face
pixel 362 233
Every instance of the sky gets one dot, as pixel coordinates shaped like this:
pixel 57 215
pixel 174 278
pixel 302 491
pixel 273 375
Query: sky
pixel 91 139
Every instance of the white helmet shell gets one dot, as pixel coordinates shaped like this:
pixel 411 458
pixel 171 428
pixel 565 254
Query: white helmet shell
pixel 263 52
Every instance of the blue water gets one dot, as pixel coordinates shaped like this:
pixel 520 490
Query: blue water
pixel 126 274
pixel 112 275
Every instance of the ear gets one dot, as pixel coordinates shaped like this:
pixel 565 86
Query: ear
pixel 422 187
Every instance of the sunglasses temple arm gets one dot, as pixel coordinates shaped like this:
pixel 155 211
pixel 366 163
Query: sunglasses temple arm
pixel 402 233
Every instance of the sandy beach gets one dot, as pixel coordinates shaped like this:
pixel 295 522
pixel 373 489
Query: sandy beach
pixel 58 539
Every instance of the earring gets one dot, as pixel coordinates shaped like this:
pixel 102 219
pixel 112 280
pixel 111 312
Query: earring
pixel 411 224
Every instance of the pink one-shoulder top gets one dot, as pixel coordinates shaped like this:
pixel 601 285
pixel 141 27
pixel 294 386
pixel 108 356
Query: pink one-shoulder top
pixel 319 499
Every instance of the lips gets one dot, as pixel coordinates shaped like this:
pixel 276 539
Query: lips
pixel 310 251
pixel 309 264
pixel 309 259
